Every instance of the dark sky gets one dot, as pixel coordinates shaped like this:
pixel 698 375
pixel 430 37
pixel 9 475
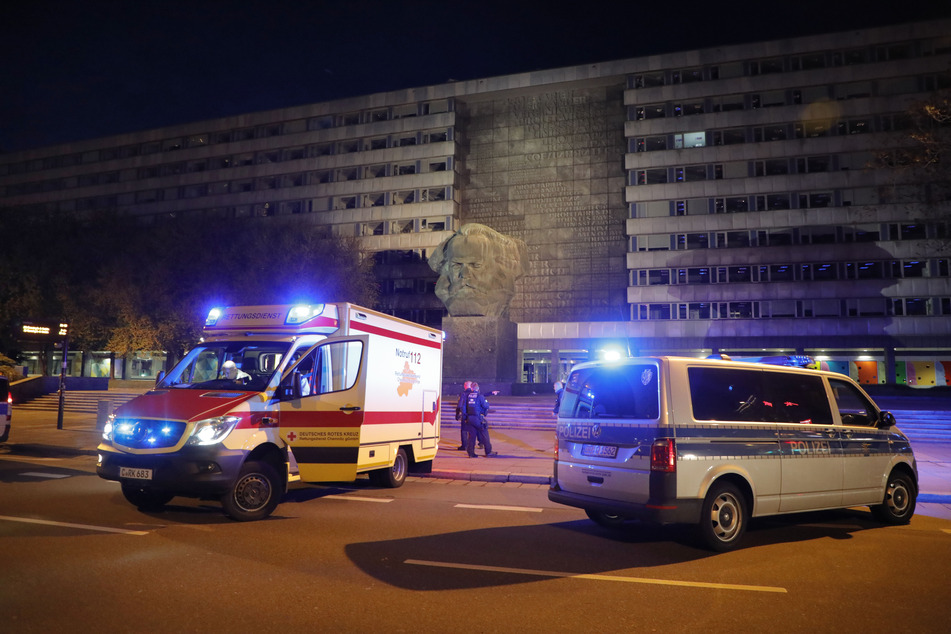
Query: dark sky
pixel 76 69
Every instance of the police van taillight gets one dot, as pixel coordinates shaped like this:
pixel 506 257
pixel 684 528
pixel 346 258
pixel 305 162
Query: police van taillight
pixel 664 455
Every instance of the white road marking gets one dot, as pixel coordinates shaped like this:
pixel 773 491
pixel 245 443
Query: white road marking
pixel 572 575
pixel 37 474
pixel 101 529
pixel 496 507
pixel 357 498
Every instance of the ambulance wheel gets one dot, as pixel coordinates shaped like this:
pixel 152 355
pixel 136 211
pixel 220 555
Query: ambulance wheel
pixel 607 520
pixel 392 477
pixel 899 503
pixel 723 517
pixel 255 494
pixel 147 499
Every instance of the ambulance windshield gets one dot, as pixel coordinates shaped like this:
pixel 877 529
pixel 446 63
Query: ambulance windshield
pixel 227 365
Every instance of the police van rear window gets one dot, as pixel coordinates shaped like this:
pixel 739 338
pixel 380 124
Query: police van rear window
pixel 724 394
pixel 625 391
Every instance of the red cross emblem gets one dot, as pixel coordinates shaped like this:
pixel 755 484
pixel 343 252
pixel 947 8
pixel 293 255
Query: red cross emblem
pixel 292 436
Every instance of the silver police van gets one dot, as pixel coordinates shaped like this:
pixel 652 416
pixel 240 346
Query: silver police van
pixel 716 442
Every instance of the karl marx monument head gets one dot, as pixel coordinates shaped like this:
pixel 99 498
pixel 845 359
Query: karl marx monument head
pixel 477 269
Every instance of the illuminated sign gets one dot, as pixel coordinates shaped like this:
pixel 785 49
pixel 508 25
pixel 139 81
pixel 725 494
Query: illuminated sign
pixel 43 331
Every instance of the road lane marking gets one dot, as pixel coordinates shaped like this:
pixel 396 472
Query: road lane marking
pixel 89 527
pixel 497 507
pixel 357 498
pixel 37 474
pixel 573 575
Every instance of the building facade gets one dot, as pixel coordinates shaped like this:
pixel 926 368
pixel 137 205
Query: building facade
pixel 724 200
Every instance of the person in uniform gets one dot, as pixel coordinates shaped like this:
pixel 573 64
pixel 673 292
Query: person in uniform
pixel 460 408
pixel 476 407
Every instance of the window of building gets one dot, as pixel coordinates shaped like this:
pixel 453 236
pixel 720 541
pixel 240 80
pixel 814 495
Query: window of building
pixel 404 197
pixel 728 103
pixel 656 111
pixel 651 176
pixel 690 140
pixel 767 66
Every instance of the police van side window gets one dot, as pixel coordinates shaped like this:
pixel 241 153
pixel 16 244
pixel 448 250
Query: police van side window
pixel 757 396
pixel 796 398
pixel 612 392
pixel 854 409
pixel 725 394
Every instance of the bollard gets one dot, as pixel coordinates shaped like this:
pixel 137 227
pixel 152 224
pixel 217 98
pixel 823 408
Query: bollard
pixel 102 414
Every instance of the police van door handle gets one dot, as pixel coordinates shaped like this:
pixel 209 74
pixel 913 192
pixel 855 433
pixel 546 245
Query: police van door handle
pixel 350 408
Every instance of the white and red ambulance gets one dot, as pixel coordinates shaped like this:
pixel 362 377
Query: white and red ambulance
pixel 275 394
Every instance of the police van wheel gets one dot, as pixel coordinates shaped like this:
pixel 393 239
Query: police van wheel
pixel 607 520
pixel 899 503
pixel 146 498
pixel 723 517
pixel 254 495
pixel 392 477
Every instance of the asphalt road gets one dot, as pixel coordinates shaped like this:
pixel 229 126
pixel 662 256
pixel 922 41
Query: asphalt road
pixel 437 556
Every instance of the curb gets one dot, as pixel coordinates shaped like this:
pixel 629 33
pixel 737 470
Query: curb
pixel 486 476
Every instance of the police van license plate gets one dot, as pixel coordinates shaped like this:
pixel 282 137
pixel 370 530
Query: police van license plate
pixel 599 451
pixel 135 474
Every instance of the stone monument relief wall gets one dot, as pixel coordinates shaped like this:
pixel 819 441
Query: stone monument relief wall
pixel 548 169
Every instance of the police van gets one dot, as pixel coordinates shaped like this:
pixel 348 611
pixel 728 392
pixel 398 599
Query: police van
pixel 716 442
pixel 278 394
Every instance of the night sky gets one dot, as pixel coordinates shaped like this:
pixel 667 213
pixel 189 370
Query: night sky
pixel 72 70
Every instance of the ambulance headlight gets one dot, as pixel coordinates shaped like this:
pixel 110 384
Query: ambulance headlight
pixel 212 430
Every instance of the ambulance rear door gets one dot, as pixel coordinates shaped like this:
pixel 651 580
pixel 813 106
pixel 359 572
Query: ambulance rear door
pixel 321 421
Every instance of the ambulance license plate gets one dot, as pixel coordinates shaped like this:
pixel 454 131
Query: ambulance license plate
pixel 135 474
pixel 599 451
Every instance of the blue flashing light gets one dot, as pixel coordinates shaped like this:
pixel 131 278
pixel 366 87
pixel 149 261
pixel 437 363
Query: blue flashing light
pixel 213 315
pixel 302 313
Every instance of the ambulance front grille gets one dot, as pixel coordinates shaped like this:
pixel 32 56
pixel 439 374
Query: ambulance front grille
pixel 147 434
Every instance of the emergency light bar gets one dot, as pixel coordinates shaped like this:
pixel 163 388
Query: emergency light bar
pixel 301 313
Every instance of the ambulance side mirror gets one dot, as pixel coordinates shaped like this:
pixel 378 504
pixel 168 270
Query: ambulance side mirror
pixel 291 388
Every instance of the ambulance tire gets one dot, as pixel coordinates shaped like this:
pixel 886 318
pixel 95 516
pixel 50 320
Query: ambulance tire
pixel 723 517
pixel 392 477
pixel 607 520
pixel 146 499
pixel 255 493
pixel 899 503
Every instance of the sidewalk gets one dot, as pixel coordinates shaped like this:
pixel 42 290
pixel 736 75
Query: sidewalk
pixel 524 455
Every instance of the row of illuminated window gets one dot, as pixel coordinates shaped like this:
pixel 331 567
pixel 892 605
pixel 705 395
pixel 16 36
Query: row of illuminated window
pixel 811 129
pixel 746 169
pixel 786 236
pixel 265 157
pixel 236 135
pixel 907 84
pixel 789 63
pixel 400 197
pixel 799 272
pixel 789 308
pixel 775 202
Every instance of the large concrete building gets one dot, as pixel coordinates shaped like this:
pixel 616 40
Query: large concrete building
pixel 717 200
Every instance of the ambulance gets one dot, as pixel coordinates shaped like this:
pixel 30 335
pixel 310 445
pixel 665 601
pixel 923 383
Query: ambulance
pixel 277 394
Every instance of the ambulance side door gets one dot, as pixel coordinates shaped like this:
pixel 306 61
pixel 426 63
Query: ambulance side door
pixel 322 408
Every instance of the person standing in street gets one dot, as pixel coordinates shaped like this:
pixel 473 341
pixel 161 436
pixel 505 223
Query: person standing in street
pixel 460 410
pixel 476 407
